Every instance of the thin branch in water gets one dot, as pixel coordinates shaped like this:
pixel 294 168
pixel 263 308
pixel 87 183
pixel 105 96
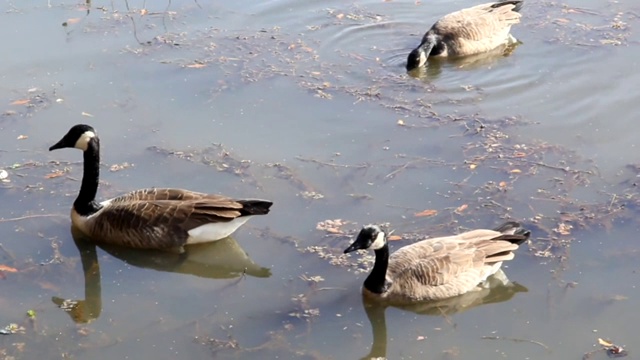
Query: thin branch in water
pixel 516 340
pixel 324 163
pixel 31 217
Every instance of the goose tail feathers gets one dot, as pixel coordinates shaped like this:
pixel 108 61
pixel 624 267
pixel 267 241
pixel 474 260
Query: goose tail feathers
pixel 255 207
pixel 513 232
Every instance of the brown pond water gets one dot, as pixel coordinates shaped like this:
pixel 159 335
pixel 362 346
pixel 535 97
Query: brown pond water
pixel 300 102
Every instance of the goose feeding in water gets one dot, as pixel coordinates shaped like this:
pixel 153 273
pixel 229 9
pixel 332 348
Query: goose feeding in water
pixel 438 268
pixel 468 31
pixel 150 218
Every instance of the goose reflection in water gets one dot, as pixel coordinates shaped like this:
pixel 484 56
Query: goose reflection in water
pixel 471 62
pixel 222 259
pixel 497 289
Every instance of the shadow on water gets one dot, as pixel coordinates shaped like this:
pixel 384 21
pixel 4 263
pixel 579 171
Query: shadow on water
pixel 498 289
pixel 222 259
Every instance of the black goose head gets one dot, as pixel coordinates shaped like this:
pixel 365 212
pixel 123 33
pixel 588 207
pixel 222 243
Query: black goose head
pixel 431 45
pixel 370 237
pixel 78 137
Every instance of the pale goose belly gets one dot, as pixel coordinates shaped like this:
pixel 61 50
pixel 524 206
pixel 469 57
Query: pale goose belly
pixel 215 231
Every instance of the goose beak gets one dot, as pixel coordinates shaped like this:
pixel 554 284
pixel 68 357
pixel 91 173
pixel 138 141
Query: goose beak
pixel 59 145
pixel 353 247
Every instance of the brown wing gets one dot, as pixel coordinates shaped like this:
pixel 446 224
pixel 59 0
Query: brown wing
pixel 166 194
pixel 443 267
pixel 158 224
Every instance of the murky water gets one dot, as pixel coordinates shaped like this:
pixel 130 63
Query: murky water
pixel 304 99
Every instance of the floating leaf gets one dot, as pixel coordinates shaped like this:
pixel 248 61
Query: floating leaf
pixel 8 268
pixel 86 114
pixel 31 314
pixel 515 171
pixel 473 166
pixel 54 174
pixel 519 154
pixel 604 342
pixel 196 66
pixel 21 102
pixel 427 213
pixel 22 137
pixel 503 184
pixel 394 238
pixel 461 208
pixel 400 122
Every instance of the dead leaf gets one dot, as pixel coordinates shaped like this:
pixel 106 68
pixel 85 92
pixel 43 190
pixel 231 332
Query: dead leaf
pixel 21 102
pixel 515 171
pixel 144 12
pixel 400 122
pixel 8 268
pixel 604 342
pixel 73 21
pixel 473 166
pixel 196 66
pixel 503 184
pixel 54 174
pixel 461 208
pixel 22 137
pixel 86 114
pixel 340 16
pixel 394 238
pixel 519 154
pixel 426 213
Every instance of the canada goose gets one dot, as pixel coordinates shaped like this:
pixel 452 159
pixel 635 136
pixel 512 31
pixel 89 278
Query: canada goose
pixel 468 31
pixel 438 268
pixel 150 218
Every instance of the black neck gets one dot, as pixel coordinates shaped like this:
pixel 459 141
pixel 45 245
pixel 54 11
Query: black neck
pixel 85 203
pixel 377 281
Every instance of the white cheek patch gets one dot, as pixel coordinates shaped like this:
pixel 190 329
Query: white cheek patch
pixel 379 242
pixel 83 141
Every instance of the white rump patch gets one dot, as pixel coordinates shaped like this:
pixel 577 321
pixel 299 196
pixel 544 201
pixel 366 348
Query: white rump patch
pixel 215 231
pixel 379 242
pixel 83 141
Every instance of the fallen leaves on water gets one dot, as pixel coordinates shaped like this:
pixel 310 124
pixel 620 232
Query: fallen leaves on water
pixel 71 21
pixel 394 238
pixel 331 226
pixel 54 174
pixel 12 329
pixel 426 213
pixel 22 137
pixel 31 314
pixel 461 208
pixel 612 350
pixel 21 102
pixel 472 166
pixel 118 167
pixel 515 171
pixel 7 268
pixel 400 122
pixel 563 229
pixel 196 66
pixel 86 114
pixel 4 175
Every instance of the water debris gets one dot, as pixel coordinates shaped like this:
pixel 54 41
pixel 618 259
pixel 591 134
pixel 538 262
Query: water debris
pixel 311 195
pixel 4 176
pixel 426 213
pixel 12 329
pixel 118 167
pixel 612 350
pixel 332 226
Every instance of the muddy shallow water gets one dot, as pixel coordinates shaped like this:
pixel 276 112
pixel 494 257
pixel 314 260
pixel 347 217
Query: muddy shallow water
pixel 309 105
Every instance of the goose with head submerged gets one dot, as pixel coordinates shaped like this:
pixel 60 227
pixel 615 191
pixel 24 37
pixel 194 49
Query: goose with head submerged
pixel 151 218
pixel 468 31
pixel 438 268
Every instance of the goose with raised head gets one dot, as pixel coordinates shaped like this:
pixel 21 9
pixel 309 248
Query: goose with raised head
pixel 468 31
pixel 438 268
pixel 151 218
